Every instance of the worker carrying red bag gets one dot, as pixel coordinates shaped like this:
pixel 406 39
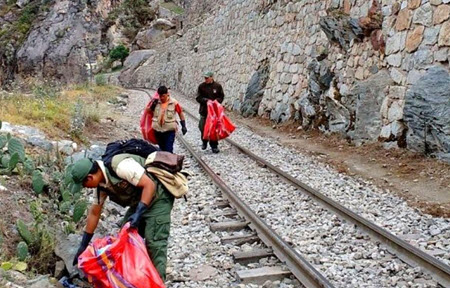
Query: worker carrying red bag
pixel 208 91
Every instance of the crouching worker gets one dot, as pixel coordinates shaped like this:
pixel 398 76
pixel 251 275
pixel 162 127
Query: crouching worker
pixel 128 184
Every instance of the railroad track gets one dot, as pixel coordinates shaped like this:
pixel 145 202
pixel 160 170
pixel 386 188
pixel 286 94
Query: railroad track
pixel 302 270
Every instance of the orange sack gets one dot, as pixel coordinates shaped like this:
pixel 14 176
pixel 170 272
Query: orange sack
pixel 217 126
pixel 118 262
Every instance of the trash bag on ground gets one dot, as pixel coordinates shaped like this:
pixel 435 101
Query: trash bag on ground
pixel 122 261
pixel 146 121
pixel 217 126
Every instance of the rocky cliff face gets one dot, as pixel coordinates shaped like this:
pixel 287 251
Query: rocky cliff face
pixel 67 40
pixel 62 44
pixel 53 39
pixel 361 68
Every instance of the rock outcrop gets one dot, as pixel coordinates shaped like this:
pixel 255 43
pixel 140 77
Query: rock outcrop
pixel 368 97
pixel 66 41
pixel 427 113
pixel 160 30
pixel 255 91
pixel 61 46
pixel 52 39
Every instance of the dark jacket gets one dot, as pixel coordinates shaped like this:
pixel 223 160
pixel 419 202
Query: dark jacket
pixel 213 91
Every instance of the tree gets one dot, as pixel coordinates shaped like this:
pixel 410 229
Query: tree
pixel 119 53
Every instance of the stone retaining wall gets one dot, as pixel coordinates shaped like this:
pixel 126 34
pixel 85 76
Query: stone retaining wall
pixel 351 66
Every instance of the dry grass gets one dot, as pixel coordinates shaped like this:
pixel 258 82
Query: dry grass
pixel 52 112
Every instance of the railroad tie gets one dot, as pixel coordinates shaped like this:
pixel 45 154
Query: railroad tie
pixel 238 240
pixel 222 204
pixel 252 256
pixel 228 213
pixel 228 226
pixel 260 275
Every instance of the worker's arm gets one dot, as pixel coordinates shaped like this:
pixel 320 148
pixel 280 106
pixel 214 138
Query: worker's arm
pixel 148 189
pixel 182 117
pixel 221 95
pixel 148 192
pixel 131 171
pixel 91 223
pixel 200 99
pixel 93 217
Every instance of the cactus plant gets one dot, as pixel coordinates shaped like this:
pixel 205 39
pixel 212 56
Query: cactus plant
pixel 68 175
pixel 5 160
pixel 37 181
pixel 64 207
pixel 15 146
pixel 65 195
pixel 22 251
pixel 13 161
pixel 24 232
pixel 3 141
pixel 28 164
pixel 78 210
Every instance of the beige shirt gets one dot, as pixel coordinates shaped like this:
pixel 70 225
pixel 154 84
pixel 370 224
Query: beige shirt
pixel 128 169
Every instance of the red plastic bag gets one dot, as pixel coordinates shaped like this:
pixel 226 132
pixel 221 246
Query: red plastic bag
pixel 146 122
pixel 122 261
pixel 217 126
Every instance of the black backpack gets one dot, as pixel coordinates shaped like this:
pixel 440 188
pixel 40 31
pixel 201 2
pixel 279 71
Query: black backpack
pixel 134 146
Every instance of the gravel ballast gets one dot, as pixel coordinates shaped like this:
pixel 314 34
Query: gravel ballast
pixel 338 249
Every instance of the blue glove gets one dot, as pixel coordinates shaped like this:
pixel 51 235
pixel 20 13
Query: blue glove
pixel 136 216
pixel 183 127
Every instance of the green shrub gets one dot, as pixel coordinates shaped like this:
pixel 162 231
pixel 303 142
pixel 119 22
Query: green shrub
pixel 92 117
pixel 100 80
pixel 39 240
pixel 133 15
pixel 119 52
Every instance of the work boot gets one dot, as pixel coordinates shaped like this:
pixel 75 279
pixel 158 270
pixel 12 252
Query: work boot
pixel 215 150
pixel 204 145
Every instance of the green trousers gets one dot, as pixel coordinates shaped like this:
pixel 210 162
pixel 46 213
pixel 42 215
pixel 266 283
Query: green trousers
pixel 154 227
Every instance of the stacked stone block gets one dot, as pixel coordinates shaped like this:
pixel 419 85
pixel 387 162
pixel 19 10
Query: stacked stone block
pixel 237 36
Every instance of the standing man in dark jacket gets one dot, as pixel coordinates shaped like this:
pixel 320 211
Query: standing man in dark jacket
pixel 208 90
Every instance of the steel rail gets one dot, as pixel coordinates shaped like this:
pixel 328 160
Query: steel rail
pixel 299 266
pixel 405 251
